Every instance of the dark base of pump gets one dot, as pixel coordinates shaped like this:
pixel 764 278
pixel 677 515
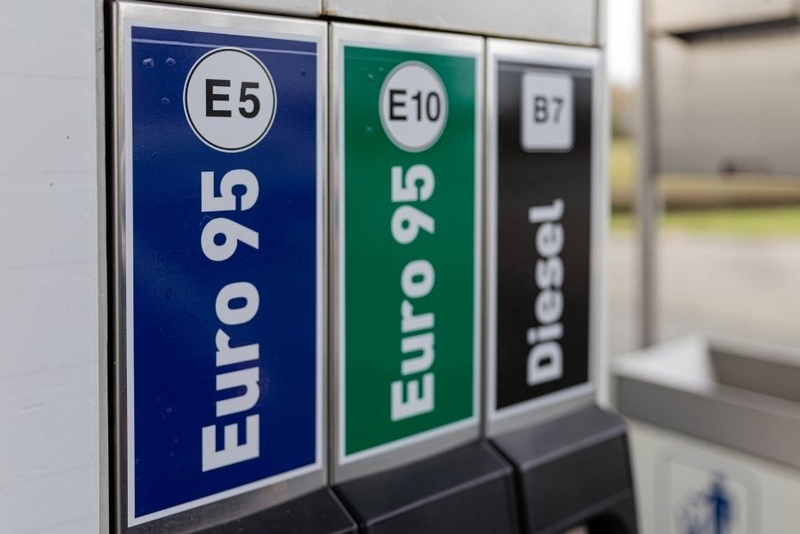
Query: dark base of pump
pixel 469 490
pixel 316 513
pixel 573 471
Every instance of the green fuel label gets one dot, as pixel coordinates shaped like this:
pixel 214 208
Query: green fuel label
pixel 409 235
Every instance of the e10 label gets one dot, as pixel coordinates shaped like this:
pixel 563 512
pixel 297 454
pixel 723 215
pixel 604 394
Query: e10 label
pixel 409 276
pixel 413 106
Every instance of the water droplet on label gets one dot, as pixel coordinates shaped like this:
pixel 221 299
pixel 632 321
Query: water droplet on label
pixel 170 62
pixel 302 72
pixel 149 63
pixel 370 76
pixel 368 130
pixel 165 101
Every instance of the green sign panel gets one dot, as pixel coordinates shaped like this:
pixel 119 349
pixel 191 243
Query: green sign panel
pixel 409 238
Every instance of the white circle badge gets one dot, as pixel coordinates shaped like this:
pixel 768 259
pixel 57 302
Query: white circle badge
pixel 229 99
pixel 413 106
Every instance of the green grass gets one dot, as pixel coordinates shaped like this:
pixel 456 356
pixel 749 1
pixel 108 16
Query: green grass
pixel 623 162
pixel 738 221
pixel 713 204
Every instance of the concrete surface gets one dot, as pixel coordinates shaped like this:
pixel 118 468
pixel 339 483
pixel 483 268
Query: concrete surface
pixel 738 286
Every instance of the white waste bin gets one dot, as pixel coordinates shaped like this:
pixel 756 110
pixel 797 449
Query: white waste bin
pixel 715 436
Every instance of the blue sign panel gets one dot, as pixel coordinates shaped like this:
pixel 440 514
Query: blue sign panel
pixel 223 228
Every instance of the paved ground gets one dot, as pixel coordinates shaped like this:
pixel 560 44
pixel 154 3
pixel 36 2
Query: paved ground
pixel 745 287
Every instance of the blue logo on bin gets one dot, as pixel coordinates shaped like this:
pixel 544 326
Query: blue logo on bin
pixel 709 512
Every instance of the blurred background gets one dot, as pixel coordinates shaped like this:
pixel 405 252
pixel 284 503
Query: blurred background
pixel 722 125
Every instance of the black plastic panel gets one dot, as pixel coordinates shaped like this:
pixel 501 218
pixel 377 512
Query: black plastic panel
pixel 573 471
pixel 469 490
pixel 317 513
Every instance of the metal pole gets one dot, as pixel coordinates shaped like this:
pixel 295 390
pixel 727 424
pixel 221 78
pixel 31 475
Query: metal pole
pixel 647 201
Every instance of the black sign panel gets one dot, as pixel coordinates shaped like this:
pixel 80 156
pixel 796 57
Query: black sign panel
pixel 543 230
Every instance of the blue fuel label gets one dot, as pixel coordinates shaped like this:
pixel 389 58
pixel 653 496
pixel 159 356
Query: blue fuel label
pixel 223 228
